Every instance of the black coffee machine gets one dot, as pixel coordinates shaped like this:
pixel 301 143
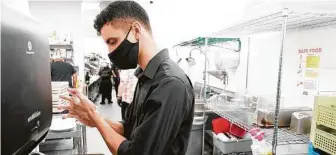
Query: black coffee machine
pixel 26 104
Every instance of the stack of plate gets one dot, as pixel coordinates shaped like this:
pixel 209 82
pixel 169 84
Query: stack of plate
pixel 62 125
pixel 58 89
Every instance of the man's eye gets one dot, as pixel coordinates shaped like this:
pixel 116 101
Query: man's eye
pixel 112 42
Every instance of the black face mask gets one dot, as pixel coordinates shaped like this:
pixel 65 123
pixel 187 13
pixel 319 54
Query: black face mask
pixel 125 56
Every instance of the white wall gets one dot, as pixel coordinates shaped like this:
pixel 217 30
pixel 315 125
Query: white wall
pixel 319 38
pixel 264 54
pixel 196 72
pixel 95 44
pixel 19 5
pixel 264 61
pixel 62 16
pixel 174 21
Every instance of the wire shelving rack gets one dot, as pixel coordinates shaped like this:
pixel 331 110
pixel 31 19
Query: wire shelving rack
pixel 239 116
pixel 283 21
pixel 296 21
pixel 203 43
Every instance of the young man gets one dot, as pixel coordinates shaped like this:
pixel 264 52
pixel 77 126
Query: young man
pixel 63 71
pixel 159 120
pixel 127 85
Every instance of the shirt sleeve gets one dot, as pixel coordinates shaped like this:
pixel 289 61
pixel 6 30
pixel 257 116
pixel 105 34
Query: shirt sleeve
pixel 73 70
pixel 128 122
pixel 163 113
pixel 127 128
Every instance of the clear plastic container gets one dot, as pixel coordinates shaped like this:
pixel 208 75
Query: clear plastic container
pixel 259 145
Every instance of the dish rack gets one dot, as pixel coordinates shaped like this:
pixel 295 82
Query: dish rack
pixel 323 133
pixel 58 89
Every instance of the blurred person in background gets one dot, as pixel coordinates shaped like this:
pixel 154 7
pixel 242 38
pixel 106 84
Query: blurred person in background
pixel 87 77
pixel 105 87
pixel 116 78
pixel 126 89
pixel 63 71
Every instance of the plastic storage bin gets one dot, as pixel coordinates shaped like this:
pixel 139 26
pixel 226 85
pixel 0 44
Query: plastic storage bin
pixel 237 131
pixel 312 150
pixel 325 141
pixel 242 145
pixel 325 111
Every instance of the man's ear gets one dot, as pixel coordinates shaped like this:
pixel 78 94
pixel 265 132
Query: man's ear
pixel 137 30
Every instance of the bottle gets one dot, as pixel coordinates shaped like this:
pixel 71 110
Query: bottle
pixel 256 136
pixel 254 131
pixel 264 147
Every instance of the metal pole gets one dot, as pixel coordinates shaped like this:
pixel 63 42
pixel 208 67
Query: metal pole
pixel 278 96
pixel 247 64
pixel 84 139
pixel 204 90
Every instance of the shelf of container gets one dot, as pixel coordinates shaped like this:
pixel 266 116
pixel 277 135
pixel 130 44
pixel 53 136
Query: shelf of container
pixel 273 23
pixel 237 117
pixel 61 46
pixel 240 116
pixel 325 140
pixel 325 111
pixel 201 111
pixel 286 137
pixel 200 41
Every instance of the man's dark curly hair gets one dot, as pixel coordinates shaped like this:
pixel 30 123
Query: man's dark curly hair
pixel 120 12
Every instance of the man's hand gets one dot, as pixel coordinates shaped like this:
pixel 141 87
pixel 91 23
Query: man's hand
pixel 79 107
pixel 82 109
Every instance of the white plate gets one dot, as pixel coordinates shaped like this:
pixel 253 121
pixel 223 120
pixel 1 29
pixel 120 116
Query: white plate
pixel 61 125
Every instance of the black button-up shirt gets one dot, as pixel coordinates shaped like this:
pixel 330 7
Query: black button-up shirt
pixel 159 120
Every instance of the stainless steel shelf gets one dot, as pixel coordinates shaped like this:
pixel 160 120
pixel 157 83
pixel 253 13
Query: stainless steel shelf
pixel 273 23
pixel 241 117
pixel 286 137
pixel 61 46
pixel 78 134
pixel 219 74
pixel 201 111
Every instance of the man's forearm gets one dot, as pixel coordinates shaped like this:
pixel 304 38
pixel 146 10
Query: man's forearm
pixel 110 136
pixel 116 126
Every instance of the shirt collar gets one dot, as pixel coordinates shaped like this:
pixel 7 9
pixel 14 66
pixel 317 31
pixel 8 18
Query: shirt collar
pixel 153 65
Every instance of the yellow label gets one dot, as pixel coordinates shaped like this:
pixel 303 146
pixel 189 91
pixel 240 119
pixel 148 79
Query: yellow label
pixel 311 74
pixel 313 62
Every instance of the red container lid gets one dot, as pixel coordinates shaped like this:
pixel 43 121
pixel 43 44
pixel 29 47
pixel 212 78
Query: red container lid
pixel 220 125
